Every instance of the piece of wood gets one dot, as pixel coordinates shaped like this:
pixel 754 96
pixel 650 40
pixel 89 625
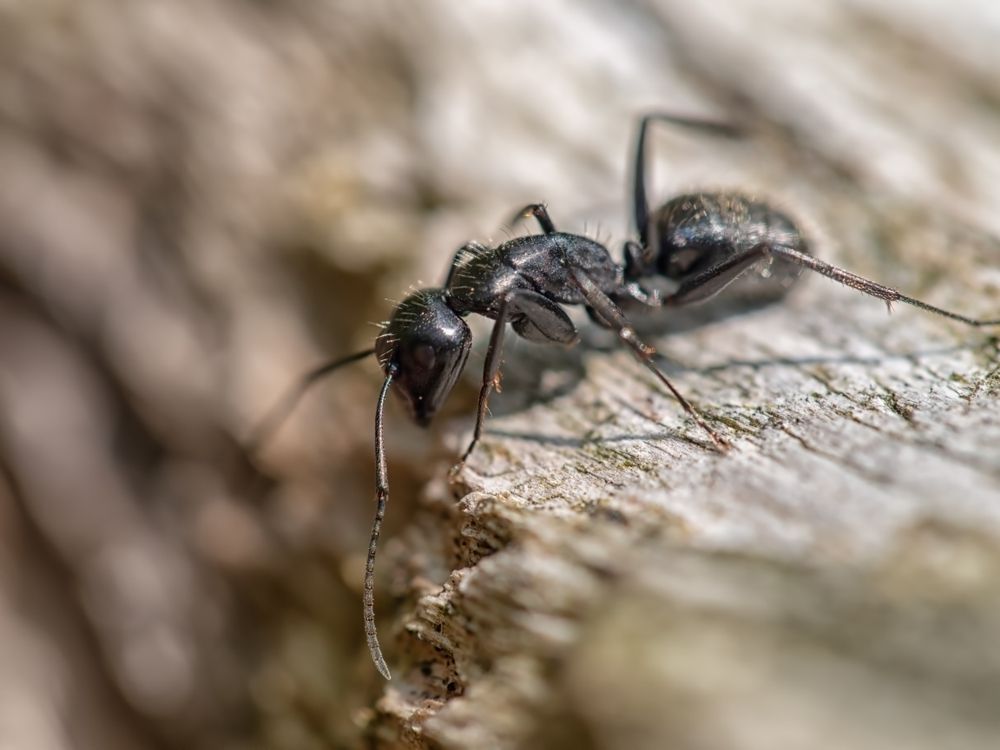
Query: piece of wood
pixel 199 201
pixel 863 448
pixel 616 583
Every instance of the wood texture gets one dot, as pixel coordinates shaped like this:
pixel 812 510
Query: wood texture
pixel 863 467
pixel 201 200
pixel 615 583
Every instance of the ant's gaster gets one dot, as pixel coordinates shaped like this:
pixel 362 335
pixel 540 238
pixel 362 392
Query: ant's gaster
pixel 701 242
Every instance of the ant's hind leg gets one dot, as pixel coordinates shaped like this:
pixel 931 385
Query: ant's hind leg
pixel 606 308
pixel 697 288
pixel 640 202
pixel 866 286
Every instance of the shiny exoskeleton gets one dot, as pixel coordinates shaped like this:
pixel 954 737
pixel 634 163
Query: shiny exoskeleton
pixel 700 242
pixel 705 241
pixel 525 282
pixel 522 282
pixel 692 234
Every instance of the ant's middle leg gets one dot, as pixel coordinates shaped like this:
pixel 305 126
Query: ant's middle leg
pixel 541 214
pixel 606 308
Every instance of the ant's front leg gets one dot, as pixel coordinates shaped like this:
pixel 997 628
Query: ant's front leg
pixel 491 379
pixel 536 318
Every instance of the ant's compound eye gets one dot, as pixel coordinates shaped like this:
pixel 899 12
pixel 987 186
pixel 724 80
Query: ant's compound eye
pixel 424 355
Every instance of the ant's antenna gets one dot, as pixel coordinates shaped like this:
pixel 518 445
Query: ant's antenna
pixel 269 425
pixel 382 496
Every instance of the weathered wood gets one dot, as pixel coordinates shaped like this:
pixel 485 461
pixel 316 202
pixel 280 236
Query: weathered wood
pixel 199 201
pixel 616 583
pixel 851 431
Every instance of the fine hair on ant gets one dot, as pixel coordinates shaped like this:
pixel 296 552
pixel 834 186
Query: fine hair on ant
pixel 702 242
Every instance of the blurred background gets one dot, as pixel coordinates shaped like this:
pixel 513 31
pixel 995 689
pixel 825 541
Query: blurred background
pixel 200 200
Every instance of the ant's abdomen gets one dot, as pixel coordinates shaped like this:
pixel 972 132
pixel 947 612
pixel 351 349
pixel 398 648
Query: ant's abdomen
pixel 697 231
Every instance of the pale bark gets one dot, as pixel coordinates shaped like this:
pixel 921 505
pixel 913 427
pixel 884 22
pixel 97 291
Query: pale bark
pixel 201 200
pixel 832 580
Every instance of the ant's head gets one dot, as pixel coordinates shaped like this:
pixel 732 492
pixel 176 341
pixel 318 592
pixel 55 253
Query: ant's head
pixel 427 345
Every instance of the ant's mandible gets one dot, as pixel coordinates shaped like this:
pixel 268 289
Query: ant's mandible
pixel 700 241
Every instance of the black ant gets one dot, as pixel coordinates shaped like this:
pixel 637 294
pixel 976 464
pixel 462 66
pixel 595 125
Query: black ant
pixel 701 241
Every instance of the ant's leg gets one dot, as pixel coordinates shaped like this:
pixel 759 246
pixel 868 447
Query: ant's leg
pixel 713 280
pixel 491 376
pixel 887 294
pixel 469 249
pixel 541 214
pixel 700 287
pixel 536 318
pixel 608 310
pixel 640 203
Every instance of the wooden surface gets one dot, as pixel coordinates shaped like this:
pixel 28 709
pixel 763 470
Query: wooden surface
pixel 199 201
pixel 863 450
pixel 607 580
